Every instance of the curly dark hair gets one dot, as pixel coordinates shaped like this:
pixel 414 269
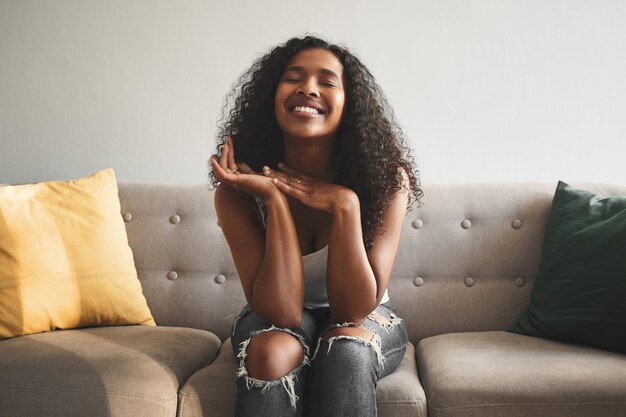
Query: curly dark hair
pixel 370 148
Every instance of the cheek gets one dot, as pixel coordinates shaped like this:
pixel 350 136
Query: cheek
pixel 278 100
pixel 339 104
pixel 283 91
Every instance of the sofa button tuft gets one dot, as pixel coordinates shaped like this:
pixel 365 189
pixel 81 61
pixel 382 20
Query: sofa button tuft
pixel 520 282
pixel 417 224
pixel 418 281
pixel 172 275
pixel 469 282
pixel 127 217
pixel 175 219
pixel 466 224
pixel 220 279
pixel 517 223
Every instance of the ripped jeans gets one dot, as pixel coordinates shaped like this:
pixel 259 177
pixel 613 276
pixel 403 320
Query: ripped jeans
pixel 338 374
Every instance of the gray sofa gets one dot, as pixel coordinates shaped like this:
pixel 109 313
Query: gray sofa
pixel 463 274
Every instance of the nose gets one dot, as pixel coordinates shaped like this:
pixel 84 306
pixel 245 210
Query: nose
pixel 308 88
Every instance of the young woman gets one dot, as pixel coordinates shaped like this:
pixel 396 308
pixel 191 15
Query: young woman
pixel 313 181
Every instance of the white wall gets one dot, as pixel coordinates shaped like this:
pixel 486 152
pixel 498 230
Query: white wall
pixel 491 90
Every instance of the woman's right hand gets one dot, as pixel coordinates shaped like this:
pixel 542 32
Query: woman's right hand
pixel 239 175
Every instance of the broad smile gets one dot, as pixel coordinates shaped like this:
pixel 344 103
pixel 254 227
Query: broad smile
pixel 304 107
pixel 299 109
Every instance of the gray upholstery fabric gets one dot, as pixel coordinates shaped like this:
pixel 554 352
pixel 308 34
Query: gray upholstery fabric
pixel 485 374
pixel 108 371
pixel 192 246
pixel 466 263
pixel 502 260
pixel 401 394
pixel 442 252
pixel 211 390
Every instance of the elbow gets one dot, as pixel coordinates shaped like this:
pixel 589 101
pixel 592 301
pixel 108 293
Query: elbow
pixel 351 308
pixel 349 317
pixel 280 316
pixel 288 322
pixel 286 319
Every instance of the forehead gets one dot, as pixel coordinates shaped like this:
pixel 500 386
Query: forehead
pixel 316 59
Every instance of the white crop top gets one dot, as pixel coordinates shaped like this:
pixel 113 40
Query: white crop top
pixel 314 265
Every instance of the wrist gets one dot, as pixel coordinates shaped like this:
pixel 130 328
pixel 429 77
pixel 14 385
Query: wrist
pixel 347 201
pixel 275 197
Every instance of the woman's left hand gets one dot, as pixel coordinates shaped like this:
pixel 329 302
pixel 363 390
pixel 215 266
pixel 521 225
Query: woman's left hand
pixel 310 191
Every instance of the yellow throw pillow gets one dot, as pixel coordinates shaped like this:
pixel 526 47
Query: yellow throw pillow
pixel 64 258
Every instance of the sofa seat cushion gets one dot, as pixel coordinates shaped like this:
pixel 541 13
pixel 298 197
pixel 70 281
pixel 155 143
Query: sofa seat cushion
pixel 211 391
pixel 484 374
pixel 107 371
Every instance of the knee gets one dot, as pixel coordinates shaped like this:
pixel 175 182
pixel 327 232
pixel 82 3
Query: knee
pixel 355 347
pixel 350 332
pixel 272 355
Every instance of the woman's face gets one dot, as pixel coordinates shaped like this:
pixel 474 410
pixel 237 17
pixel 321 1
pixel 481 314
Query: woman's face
pixel 310 97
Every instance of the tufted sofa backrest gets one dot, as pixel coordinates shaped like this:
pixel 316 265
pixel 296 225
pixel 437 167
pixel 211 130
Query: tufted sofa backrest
pixel 181 256
pixel 467 258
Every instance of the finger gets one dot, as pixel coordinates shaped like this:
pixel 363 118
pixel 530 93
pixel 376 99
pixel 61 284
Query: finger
pixel 232 165
pixel 291 171
pixel 217 168
pixel 290 190
pixel 224 156
pixel 245 168
pixel 215 163
pixel 289 180
pixel 268 172
pixel 223 174
pixel 227 158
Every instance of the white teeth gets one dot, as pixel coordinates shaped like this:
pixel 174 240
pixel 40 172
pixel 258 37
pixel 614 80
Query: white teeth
pixel 306 109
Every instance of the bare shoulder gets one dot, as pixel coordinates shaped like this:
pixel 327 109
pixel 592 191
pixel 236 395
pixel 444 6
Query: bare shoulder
pixel 405 182
pixel 233 204
pixel 227 195
pixel 400 199
pixel 393 215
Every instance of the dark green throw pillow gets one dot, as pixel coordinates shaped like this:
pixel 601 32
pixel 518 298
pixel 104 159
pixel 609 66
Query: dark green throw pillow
pixel 579 295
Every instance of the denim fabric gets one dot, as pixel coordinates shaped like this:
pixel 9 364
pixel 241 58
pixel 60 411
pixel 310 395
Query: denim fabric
pixel 338 375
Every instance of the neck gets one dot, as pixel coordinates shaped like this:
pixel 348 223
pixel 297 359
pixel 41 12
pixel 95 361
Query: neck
pixel 312 158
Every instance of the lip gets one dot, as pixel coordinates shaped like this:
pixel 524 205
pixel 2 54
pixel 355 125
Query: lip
pixel 296 101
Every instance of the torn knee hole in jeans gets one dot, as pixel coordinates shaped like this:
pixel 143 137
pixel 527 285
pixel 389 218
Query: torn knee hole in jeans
pixel 374 341
pixel 287 381
pixel 385 323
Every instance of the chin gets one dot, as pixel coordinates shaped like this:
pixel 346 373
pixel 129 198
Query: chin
pixel 299 135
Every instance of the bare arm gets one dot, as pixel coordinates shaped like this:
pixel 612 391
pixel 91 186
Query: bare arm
pixel 268 261
pixel 356 278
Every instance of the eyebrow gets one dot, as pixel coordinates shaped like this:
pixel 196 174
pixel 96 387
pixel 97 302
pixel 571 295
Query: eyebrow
pixel 323 71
